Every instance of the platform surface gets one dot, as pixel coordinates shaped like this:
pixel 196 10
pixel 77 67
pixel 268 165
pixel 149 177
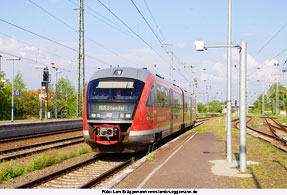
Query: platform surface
pixel 184 163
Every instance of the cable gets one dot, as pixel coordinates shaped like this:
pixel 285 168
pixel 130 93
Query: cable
pixel 147 22
pixel 33 61
pixel 70 27
pixel 131 30
pixel 271 58
pixel 155 22
pixel 103 18
pixel 50 40
pixel 282 28
pixel 67 25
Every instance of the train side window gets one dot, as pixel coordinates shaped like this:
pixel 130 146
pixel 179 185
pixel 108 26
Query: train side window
pixel 151 98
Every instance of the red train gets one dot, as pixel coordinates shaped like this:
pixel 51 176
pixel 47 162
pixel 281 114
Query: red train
pixel 126 109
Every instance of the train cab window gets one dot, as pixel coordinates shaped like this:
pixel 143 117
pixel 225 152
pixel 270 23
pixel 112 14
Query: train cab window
pixel 114 89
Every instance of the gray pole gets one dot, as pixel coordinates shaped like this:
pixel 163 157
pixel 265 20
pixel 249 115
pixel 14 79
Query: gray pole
pixel 0 62
pixel 277 102
pixel 83 56
pixel 242 148
pixel 41 94
pixel 228 114
pixel 263 104
pixel 12 111
pixel 56 95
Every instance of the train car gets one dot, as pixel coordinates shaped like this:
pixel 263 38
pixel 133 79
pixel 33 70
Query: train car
pixel 126 109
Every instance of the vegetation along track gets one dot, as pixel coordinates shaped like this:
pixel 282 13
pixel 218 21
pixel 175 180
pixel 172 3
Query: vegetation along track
pixel 19 138
pixel 22 151
pixel 269 137
pixel 85 174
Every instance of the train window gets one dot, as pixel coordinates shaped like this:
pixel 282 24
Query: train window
pixel 151 98
pixel 115 89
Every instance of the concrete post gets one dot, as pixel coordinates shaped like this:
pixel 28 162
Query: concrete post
pixel 243 59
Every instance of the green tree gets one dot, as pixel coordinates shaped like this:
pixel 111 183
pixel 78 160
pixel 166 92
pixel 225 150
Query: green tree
pixel 66 98
pixel 5 98
pixel 215 106
pixel 270 99
pixel 201 108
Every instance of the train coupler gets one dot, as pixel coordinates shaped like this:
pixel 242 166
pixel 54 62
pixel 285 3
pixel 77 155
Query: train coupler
pixel 107 134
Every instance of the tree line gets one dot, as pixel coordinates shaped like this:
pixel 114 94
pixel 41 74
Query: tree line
pixel 27 104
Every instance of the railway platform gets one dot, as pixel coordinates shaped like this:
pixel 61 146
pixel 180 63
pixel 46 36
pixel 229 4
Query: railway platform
pixel 186 162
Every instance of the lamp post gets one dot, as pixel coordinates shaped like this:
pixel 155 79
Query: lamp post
pixel 57 72
pixel 12 110
pixel 40 67
pixel 200 46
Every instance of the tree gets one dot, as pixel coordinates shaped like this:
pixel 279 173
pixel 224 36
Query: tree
pixel 201 108
pixel 215 106
pixel 270 99
pixel 66 98
pixel 5 99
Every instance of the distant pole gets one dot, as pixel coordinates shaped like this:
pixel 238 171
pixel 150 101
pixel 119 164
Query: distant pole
pixel 0 62
pixel 195 82
pixel 12 109
pixel 56 110
pixel 83 55
pixel 263 97
pixel 277 98
pixel 243 59
pixel 228 114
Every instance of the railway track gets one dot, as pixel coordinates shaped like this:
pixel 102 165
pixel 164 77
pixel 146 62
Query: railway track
pixel 22 151
pixel 90 173
pixel 281 136
pixel 85 174
pixel 270 136
pixel 19 138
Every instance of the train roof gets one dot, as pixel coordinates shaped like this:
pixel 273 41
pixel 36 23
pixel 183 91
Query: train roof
pixel 122 72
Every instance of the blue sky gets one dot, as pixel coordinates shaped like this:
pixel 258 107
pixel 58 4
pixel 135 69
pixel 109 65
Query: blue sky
pixel 181 22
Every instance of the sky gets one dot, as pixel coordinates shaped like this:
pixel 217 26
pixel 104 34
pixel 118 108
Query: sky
pixel 45 32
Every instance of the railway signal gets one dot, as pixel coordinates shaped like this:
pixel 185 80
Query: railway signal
pixel 46 76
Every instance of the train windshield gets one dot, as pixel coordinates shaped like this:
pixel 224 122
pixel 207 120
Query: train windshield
pixel 115 89
pixel 113 99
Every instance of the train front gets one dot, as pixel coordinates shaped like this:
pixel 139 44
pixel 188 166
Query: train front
pixel 111 101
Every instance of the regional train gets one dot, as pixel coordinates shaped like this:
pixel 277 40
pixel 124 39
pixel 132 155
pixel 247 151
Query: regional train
pixel 127 109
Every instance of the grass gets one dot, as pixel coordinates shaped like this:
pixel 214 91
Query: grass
pixel 282 119
pixel 272 170
pixel 10 170
pixel 255 122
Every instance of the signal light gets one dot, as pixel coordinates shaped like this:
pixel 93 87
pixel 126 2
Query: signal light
pixel 46 75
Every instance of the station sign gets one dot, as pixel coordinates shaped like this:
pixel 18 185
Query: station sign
pixel 16 93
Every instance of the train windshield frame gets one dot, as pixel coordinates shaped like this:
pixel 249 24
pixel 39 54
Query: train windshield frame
pixel 113 98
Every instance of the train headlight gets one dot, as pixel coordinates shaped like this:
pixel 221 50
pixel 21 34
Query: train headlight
pixel 93 115
pixel 128 115
pixel 98 115
pixel 122 115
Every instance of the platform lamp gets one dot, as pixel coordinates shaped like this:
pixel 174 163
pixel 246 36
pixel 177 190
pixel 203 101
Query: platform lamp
pixel 12 109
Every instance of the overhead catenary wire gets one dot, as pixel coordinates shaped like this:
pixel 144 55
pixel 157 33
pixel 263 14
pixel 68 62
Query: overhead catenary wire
pixel 264 64
pixel 275 35
pixel 157 37
pixel 127 26
pixel 163 37
pixel 50 40
pixel 33 61
pixel 74 30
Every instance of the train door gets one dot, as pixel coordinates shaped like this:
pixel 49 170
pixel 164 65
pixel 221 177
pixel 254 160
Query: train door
pixel 171 108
